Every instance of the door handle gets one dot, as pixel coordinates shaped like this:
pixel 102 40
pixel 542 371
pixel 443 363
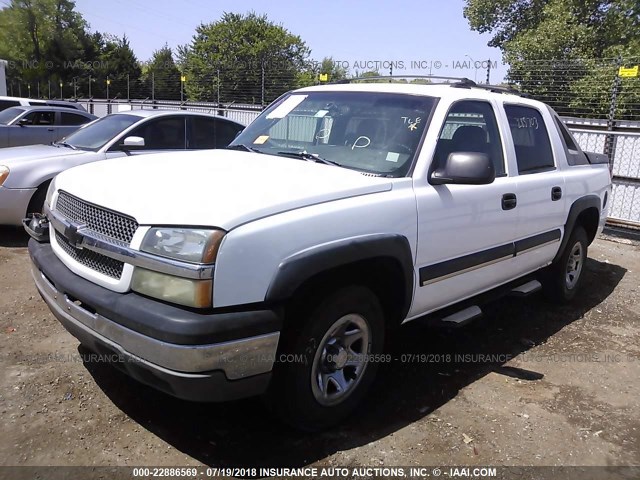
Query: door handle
pixel 509 201
pixel 556 194
pixel 50 129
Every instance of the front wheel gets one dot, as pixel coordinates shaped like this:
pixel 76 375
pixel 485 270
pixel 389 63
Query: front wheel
pixel 565 276
pixel 328 359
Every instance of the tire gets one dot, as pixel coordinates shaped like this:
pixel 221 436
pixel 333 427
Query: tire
pixel 564 278
pixel 326 370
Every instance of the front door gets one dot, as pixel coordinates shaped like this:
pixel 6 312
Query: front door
pixel 465 232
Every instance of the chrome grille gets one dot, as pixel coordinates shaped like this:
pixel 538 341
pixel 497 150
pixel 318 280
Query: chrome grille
pixel 100 220
pixel 93 260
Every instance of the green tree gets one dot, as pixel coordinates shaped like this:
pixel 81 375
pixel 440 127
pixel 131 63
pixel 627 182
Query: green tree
pixel 311 74
pixel 334 71
pixel 120 66
pixel 242 58
pixel 563 52
pixel 161 75
pixel 42 39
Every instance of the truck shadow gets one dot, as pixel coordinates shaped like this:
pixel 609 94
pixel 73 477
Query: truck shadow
pixel 13 237
pixel 244 433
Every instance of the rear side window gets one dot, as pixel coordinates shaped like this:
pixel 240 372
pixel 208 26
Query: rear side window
pixel 566 136
pixel 574 155
pixel 4 104
pixel 530 138
pixel 211 133
pixel 72 119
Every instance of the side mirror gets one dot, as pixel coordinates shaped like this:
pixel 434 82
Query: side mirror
pixel 466 168
pixel 132 143
pixel 24 121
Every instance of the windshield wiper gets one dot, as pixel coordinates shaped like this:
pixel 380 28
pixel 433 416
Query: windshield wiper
pixel 312 157
pixel 240 146
pixel 65 144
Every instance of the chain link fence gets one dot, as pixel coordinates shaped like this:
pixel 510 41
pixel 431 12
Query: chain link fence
pixel 599 102
pixel 586 88
pixel 624 152
pixel 256 88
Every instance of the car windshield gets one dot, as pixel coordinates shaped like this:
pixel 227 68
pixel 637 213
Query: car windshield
pixel 372 132
pixel 8 115
pixel 96 134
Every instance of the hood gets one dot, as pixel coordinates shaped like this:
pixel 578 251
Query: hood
pixel 220 188
pixel 15 156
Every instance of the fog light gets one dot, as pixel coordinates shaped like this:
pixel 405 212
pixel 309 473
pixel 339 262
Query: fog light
pixel 183 291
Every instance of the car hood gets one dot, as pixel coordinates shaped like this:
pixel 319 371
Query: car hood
pixel 221 188
pixel 15 156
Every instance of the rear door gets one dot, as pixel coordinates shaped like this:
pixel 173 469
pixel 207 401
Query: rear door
pixel 541 204
pixel 33 128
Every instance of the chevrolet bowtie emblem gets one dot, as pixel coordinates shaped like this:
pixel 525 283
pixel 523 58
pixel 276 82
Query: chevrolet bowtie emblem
pixel 73 234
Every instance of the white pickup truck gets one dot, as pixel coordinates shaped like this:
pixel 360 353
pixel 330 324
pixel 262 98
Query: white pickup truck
pixel 277 266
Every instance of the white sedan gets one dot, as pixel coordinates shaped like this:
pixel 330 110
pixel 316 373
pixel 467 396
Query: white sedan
pixel 25 172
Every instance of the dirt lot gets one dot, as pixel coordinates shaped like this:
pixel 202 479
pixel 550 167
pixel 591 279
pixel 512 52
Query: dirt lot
pixel 529 384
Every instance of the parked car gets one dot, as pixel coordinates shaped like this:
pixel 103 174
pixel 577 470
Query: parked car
pixel 25 172
pixel 33 125
pixel 7 102
pixel 277 266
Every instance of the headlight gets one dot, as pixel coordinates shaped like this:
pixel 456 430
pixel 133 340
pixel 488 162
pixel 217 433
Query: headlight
pixel 50 192
pixel 188 245
pixel 194 245
pixel 184 291
pixel 4 173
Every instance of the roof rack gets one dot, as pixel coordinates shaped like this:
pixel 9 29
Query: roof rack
pixel 460 81
pixel 500 89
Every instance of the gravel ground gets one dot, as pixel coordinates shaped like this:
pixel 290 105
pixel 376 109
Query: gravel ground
pixel 529 384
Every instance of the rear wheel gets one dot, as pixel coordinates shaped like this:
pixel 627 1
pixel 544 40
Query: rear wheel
pixel 565 276
pixel 328 359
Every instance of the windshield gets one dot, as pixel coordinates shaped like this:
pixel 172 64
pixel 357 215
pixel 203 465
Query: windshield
pixel 372 132
pixel 96 134
pixel 8 115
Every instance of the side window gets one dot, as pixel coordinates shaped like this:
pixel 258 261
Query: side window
pixel 211 133
pixel 566 136
pixel 470 126
pixel 72 119
pixel 39 118
pixel 166 133
pixel 530 138
pixel 226 133
pixel 4 104
pixel 574 155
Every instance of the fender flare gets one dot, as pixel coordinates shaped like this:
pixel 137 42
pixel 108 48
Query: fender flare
pixel 579 206
pixel 293 271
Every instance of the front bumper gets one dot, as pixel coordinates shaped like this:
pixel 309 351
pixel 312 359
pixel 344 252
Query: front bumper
pixel 187 354
pixel 13 204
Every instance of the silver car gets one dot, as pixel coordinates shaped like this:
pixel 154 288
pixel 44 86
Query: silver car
pixel 33 125
pixel 7 102
pixel 25 172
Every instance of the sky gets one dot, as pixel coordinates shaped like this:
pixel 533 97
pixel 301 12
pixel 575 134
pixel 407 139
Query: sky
pixel 427 37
